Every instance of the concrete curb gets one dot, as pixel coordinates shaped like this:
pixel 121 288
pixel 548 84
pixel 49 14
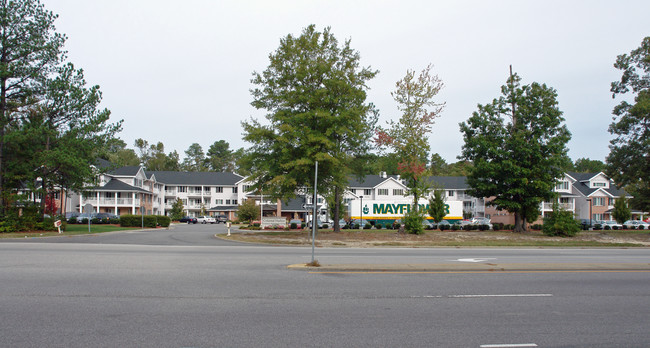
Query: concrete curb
pixel 476 267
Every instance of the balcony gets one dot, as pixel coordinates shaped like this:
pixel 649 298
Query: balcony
pixel 113 201
pixel 565 206
pixel 170 193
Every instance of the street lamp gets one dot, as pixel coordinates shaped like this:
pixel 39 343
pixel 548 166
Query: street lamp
pixel 361 211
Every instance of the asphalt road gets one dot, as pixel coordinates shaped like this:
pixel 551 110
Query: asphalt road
pixel 184 288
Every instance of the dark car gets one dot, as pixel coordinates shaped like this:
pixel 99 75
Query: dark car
pixel 188 219
pixel 221 218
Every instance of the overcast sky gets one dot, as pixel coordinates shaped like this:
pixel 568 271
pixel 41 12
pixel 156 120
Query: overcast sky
pixel 179 71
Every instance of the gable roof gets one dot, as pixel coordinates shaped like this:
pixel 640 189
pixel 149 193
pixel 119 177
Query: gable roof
pixel 582 187
pixel 126 171
pixel 197 178
pixel 117 185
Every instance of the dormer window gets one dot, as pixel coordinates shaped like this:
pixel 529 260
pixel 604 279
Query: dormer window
pixel 599 184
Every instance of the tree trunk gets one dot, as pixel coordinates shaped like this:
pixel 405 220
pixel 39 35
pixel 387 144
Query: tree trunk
pixel 520 223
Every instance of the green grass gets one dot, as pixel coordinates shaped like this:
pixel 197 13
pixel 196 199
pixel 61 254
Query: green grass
pixel 70 231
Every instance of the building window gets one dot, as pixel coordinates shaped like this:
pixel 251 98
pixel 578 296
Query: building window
pixel 382 192
pixel 218 189
pixel 450 193
pixel 598 216
pixel 219 201
pixel 227 202
pixel 398 192
pixel 234 189
pixel 599 184
pixel 206 189
pixel 182 189
pixel 562 185
pixel 367 192
pixel 598 201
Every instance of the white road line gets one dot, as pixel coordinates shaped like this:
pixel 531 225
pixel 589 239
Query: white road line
pixel 508 345
pixel 478 296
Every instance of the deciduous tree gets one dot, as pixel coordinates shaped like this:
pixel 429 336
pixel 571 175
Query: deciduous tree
pixel 628 162
pixel 517 144
pixel 409 137
pixel 314 93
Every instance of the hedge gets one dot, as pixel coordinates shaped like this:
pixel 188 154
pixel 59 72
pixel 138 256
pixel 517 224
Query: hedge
pixel 150 221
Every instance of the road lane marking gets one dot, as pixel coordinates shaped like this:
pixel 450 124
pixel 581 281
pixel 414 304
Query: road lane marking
pixel 508 345
pixel 486 295
pixel 474 259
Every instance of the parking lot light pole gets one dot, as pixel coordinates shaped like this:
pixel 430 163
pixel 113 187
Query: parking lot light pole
pixel 361 211
pixel 314 225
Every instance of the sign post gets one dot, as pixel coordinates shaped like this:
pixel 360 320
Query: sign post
pixel 314 224
pixel 57 224
pixel 88 209
pixel 142 214
pixel 228 226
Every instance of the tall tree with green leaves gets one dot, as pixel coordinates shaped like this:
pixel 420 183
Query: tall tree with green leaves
pixel 30 51
pixel 66 131
pixel 409 137
pixel 195 160
pixel 177 211
pixel 586 165
pixel 621 212
pixel 220 157
pixel 314 93
pixel 628 162
pixel 517 144
pixel 437 206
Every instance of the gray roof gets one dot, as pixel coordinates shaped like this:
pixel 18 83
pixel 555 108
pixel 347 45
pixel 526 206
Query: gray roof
pixel 447 182
pixel 117 185
pixel 197 178
pixel 125 171
pixel 586 190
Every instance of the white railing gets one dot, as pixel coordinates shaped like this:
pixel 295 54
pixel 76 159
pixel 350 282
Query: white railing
pixel 549 206
pixel 113 201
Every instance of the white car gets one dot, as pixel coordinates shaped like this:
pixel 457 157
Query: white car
pixel 206 220
pixel 636 224
pixel 612 225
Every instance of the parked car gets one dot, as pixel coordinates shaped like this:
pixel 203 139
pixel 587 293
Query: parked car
pixel 318 223
pixel 482 221
pixel 612 224
pixel 206 220
pixel 636 224
pixel 188 219
pixel 83 216
pixel 298 223
pixel 221 218
pixel 428 224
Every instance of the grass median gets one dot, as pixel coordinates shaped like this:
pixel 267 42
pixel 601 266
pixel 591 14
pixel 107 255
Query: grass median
pixel 71 230
pixel 390 238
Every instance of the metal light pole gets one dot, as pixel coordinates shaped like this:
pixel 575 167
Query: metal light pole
pixel 314 225
pixel 361 211
pixel 590 214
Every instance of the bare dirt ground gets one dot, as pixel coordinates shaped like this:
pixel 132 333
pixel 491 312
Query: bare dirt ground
pixel 390 238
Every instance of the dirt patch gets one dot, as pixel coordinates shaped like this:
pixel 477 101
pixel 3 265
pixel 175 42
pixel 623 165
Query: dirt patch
pixel 375 238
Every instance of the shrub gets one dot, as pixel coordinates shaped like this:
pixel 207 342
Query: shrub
pixel 368 226
pixel 497 226
pixel 455 227
pixel 561 223
pixel 537 227
pixel 379 226
pixel 396 225
pixel 443 227
pixel 356 226
pixel 294 226
pixel 598 227
pixel 72 220
pixel 95 221
pixel 163 221
pixel 483 227
pixel 641 227
pixel 326 226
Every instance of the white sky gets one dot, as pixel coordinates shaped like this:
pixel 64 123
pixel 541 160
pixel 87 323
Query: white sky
pixel 179 71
